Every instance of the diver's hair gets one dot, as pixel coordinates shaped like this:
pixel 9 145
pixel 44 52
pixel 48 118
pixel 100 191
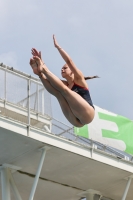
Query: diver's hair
pixel 90 77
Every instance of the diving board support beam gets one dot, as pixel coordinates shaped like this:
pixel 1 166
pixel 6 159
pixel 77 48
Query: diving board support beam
pixel 127 187
pixel 7 180
pixel 44 149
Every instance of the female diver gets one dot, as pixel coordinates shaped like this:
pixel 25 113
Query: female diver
pixel 73 94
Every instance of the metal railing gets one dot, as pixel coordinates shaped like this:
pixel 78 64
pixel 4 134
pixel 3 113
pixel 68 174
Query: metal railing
pixel 31 104
pixel 24 90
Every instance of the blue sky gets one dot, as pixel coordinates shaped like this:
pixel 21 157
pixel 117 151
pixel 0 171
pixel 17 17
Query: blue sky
pixel 98 35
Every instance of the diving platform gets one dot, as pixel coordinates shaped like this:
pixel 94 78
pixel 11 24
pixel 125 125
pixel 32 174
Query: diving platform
pixel 41 158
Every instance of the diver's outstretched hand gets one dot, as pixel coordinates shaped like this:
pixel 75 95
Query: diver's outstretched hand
pixel 55 42
pixel 36 53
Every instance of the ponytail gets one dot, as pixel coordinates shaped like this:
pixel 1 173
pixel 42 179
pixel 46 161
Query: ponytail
pixel 90 77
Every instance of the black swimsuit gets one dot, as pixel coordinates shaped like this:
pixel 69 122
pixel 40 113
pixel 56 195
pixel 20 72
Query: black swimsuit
pixel 83 92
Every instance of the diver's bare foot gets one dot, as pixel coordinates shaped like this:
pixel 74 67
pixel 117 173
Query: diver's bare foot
pixel 33 63
pixel 34 66
pixel 40 65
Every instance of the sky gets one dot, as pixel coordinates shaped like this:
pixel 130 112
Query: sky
pixel 97 34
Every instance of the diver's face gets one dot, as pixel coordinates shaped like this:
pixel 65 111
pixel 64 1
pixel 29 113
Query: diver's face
pixel 65 71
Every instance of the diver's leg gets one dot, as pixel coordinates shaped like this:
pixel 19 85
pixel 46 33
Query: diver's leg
pixel 80 108
pixel 63 103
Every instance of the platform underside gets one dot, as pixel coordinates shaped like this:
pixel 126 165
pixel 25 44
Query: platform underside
pixel 64 174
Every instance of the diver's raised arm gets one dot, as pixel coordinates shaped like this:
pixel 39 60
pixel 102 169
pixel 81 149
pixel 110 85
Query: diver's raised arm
pixel 68 60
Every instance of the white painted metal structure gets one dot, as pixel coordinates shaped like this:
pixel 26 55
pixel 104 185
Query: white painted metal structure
pixel 40 159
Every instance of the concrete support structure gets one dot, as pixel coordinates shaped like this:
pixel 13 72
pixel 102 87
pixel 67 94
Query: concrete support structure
pixel 127 188
pixel 7 178
pixel 5 184
pixel 90 194
pixel 44 149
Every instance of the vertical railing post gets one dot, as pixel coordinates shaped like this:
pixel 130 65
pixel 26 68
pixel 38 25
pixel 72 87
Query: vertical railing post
pixel 37 98
pixel 28 126
pixel 5 85
pixel 43 101
pixel 35 102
